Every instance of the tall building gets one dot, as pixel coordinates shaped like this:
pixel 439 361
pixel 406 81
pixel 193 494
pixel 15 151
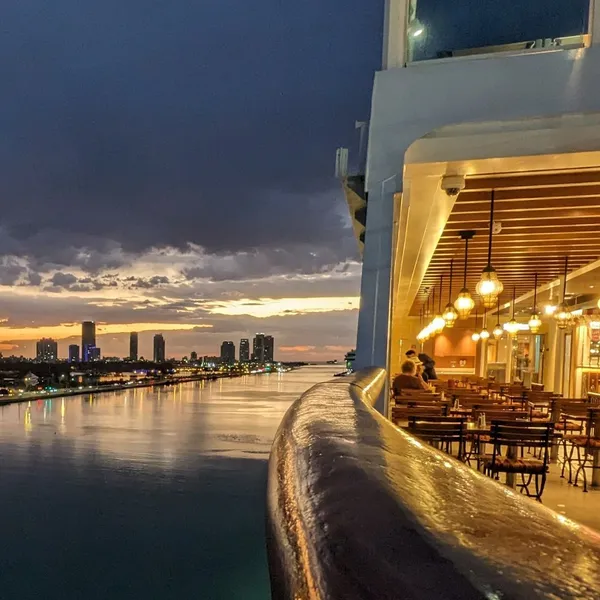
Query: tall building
pixel 258 347
pixel 95 353
pixel 133 345
pixel 159 348
pixel 47 350
pixel 193 356
pixel 244 350
pixel 88 340
pixel 73 353
pixel 269 348
pixel 227 352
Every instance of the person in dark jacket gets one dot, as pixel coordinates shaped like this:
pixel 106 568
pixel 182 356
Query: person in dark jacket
pixel 428 366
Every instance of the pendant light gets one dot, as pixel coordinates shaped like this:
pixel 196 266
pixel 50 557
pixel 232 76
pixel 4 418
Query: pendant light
pixel 498 331
pixel 484 334
pixel 475 336
pixel 535 322
pixel 450 315
pixel 489 286
pixel 551 307
pixel 464 304
pixel 512 326
pixel 438 322
pixel 563 315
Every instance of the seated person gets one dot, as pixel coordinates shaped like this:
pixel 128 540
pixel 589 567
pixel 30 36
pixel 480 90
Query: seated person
pixel 416 358
pixel 409 378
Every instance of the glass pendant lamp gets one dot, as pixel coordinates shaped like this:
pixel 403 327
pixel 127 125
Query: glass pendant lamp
pixel 464 304
pixel 489 286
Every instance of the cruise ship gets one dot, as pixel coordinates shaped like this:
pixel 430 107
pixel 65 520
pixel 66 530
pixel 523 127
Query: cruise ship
pixel 476 216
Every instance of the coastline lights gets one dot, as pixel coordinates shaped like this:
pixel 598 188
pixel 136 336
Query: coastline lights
pixel 438 322
pixel 513 326
pixel 464 304
pixel 534 320
pixel 450 315
pixel 563 315
pixel 498 332
pixel 476 336
pixel 489 286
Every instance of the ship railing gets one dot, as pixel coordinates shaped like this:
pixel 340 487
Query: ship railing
pixel 359 509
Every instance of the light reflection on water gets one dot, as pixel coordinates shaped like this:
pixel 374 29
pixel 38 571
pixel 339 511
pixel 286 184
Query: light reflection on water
pixel 141 493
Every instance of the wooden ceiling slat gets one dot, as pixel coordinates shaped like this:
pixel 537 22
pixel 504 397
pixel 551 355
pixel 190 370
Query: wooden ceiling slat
pixel 554 232
pixel 590 192
pixel 541 179
pixel 518 205
pixel 506 217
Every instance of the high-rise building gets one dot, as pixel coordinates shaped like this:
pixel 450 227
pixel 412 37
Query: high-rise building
pixel 193 356
pixel 133 345
pixel 88 340
pixel 159 348
pixel 269 348
pixel 73 353
pixel 227 352
pixel 244 350
pixel 95 353
pixel 47 350
pixel 258 347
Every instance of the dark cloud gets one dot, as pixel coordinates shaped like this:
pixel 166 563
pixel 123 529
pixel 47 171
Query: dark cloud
pixel 63 279
pixel 138 125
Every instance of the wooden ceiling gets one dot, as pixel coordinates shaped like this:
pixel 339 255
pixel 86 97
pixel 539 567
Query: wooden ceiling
pixel 544 217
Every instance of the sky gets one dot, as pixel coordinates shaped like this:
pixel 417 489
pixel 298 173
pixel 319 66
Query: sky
pixel 168 167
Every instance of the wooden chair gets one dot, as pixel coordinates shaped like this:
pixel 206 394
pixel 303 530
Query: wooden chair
pixel 441 432
pixel 510 436
pixel 585 444
pixel 401 414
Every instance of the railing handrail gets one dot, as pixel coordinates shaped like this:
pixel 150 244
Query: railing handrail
pixel 358 508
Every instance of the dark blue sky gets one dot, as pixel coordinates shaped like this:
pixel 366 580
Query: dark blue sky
pixel 178 116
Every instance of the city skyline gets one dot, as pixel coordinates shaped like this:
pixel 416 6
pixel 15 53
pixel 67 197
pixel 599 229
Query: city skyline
pixel 268 249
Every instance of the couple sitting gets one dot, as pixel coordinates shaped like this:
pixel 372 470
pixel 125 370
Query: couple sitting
pixel 416 371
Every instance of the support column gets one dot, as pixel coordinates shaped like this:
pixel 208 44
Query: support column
pixel 394 41
pixel 550 358
pixel 594 22
pixel 375 293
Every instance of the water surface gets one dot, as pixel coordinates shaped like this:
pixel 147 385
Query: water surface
pixel 141 493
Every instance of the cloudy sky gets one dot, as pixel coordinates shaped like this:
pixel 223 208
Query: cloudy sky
pixel 167 167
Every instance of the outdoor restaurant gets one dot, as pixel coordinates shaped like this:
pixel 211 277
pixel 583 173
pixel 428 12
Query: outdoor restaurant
pixel 509 311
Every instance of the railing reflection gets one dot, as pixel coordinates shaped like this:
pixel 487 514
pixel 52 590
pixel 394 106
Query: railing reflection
pixel 467 27
pixel 360 509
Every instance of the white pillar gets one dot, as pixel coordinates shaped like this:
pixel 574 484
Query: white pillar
pixel 594 22
pixel 374 314
pixel 394 35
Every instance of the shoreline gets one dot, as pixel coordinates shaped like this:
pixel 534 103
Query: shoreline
pixel 67 393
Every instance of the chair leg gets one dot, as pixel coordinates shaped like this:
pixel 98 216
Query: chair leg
pixel 570 459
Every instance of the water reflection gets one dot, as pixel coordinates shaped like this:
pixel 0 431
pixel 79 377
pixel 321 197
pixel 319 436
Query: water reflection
pixel 141 493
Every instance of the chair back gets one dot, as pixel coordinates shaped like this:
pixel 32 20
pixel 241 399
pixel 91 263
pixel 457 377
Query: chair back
pixel 521 433
pixel 402 413
pixel 443 430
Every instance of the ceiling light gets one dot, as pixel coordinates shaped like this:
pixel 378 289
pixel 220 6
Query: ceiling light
pixel 464 304
pixel 489 286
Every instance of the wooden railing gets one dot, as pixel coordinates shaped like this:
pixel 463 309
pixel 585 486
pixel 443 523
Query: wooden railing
pixel 358 509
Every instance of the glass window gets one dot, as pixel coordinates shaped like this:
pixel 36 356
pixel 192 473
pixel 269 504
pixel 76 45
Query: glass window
pixel 445 28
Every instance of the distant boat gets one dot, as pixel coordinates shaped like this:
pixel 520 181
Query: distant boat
pixel 332 362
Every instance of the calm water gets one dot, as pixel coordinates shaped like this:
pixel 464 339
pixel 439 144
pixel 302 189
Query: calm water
pixel 141 494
